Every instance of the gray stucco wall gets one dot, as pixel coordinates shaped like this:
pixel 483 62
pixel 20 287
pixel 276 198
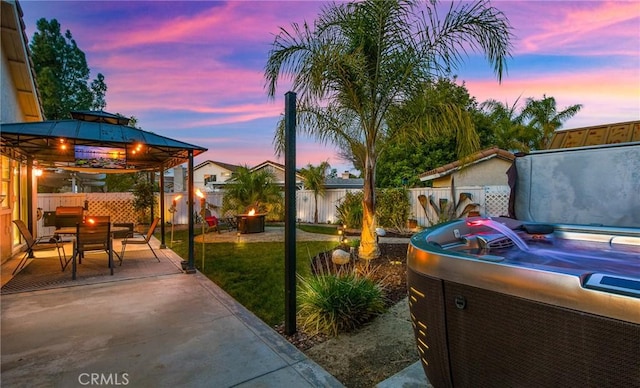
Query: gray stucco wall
pixel 589 185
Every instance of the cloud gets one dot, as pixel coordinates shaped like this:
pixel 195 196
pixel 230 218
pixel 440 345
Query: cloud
pixel 585 27
pixel 607 96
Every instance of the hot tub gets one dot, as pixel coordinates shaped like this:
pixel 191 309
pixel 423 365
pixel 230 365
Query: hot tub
pixel 508 302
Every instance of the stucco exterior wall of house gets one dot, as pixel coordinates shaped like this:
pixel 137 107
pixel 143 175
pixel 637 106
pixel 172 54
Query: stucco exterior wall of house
pixel 492 172
pixel 210 170
pixel 277 173
pixel 19 102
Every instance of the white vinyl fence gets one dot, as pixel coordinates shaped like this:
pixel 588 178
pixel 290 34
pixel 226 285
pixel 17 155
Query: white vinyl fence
pixel 492 201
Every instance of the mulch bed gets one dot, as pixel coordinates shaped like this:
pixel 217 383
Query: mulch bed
pixel 390 269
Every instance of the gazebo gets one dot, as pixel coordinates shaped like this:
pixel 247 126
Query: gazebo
pixel 98 142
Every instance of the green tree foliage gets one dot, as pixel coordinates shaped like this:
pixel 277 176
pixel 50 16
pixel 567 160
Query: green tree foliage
pixel 363 58
pixel 531 128
pixel 62 73
pixel 314 179
pixel 99 90
pixel 543 116
pixel 408 155
pixel 252 189
pixel 509 131
pixel 143 197
pixel 121 183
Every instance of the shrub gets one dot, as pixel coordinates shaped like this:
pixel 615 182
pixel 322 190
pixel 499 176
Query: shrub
pixel 331 303
pixel 392 208
pixel 448 210
pixel 350 209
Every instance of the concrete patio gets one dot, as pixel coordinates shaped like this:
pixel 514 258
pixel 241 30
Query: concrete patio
pixel 155 330
pixel 147 325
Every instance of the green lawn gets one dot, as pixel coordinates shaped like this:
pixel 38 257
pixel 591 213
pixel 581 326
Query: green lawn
pixel 252 273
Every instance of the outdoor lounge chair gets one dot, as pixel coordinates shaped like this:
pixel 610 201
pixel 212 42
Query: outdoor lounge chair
pixel 133 239
pixel 212 224
pixel 40 244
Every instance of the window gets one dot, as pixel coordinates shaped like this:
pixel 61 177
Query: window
pixel 210 178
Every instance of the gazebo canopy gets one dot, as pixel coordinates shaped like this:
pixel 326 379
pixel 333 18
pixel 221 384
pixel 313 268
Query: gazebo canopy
pixel 94 141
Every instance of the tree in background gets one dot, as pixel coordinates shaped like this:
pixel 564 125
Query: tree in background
pixel 99 89
pixel 121 183
pixel 143 196
pixel 409 154
pixel 252 189
pixel 509 131
pixel 314 179
pixel 544 118
pixel 529 129
pixel 363 58
pixel 62 73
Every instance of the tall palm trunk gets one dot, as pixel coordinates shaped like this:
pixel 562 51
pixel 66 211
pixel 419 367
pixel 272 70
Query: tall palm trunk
pixel 368 242
pixel 315 212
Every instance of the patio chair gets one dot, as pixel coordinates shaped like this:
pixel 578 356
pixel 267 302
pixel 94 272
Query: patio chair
pixel 40 244
pixel 230 220
pixel 92 237
pixel 133 239
pixel 212 222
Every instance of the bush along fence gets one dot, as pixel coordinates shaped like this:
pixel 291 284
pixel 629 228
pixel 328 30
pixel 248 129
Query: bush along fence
pixel 490 200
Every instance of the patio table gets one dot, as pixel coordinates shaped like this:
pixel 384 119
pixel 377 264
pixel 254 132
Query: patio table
pixel 71 230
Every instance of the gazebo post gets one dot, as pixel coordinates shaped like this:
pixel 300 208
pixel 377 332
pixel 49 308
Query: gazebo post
pixel 191 264
pixel 30 222
pixel 163 244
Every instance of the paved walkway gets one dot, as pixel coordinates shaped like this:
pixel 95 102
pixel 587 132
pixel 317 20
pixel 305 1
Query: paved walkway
pixel 157 331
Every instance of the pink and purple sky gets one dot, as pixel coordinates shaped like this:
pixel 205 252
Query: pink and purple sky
pixel 193 70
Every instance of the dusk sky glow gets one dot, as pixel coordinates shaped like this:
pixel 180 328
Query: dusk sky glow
pixel 193 70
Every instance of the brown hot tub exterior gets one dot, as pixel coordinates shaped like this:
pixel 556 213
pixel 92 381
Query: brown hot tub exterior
pixel 473 337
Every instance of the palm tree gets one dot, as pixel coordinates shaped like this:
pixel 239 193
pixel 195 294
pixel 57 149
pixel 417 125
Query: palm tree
pixel 251 189
pixel 509 131
pixel 545 118
pixel 364 58
pixel 314 177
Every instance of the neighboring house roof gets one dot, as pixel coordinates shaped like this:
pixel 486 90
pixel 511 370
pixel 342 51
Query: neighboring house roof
pixel 478 157
pixel 268 163
pixel 623 132
pixel 16 50
pixel 341 183
pixel 276 166
pixel 227 166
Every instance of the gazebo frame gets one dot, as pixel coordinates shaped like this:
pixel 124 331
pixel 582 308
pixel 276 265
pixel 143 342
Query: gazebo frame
pixel 52 144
